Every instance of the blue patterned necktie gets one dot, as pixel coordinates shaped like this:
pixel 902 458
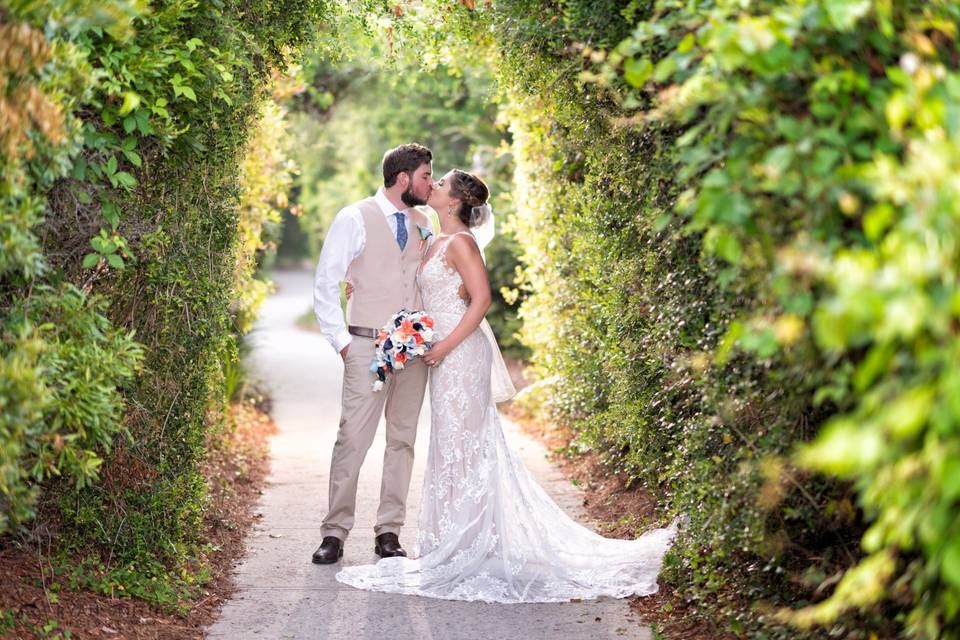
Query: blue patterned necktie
pixel 401 229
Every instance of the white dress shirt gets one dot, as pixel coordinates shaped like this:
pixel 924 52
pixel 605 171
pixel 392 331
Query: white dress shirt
pixel 344 242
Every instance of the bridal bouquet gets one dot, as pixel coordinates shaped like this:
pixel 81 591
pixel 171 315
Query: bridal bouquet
pixel 407 335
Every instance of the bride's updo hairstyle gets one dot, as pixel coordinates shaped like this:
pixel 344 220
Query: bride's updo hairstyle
pixel 472 194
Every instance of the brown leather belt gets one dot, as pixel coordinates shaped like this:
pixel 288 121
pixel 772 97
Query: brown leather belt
pixel 363 332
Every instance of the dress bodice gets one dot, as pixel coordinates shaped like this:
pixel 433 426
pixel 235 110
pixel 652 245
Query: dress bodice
pixel 440 287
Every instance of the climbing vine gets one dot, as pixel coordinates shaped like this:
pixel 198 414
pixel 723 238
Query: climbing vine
pixel 131 228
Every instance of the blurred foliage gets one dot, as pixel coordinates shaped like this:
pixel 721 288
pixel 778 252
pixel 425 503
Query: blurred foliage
pixel 380 93
pixel 143 166
pixel 820 157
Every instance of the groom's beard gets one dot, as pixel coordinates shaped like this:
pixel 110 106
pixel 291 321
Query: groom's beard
pixel 411 199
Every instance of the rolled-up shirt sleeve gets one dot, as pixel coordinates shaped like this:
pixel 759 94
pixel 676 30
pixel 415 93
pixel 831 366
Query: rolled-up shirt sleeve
pixel 343 243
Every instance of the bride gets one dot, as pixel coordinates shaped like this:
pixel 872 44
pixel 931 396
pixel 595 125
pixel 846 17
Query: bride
pixel 487 531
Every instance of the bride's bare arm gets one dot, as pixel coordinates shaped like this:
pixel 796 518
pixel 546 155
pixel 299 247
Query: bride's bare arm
pixel 464 256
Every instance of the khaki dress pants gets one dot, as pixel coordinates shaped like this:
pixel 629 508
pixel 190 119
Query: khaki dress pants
pixel 400 401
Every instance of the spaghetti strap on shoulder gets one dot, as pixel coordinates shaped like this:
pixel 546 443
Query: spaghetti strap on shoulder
pixel 466 233
pixel 450 238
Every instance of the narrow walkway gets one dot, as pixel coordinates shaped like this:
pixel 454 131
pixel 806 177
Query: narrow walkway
pixel 282 594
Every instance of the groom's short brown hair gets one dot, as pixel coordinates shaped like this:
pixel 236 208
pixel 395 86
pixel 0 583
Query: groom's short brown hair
pixel 406 158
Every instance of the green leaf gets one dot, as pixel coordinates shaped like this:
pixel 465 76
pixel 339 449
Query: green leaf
pixel 126 180
pixel 799 303
pixel 111 166
pixel 662 221
pixel 824 160
pixel 665 68
pixel 897 110
pixel 686 45
pixel 115 261
pixel 844 447
pixel 129 124
pixel 873 366
pixel 763 343
pixel 951 563
pixel 188 92
pixel 734 208
pixel 823 110
pixel 844 14
pixel 907 414
pixel 637 71
pixel 111 214
pixel 134 158
pixel 716 179
pixel 90 259
pixel 130 102
pixel 79 171
pixel 779 159
pixel 789 128
pixel 877 219
pixel 950 479
pixel 728 247
pixel 728 342
pixel 143 122
pixel 831 328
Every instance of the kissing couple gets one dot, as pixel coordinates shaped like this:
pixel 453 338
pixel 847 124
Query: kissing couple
pixel 486 530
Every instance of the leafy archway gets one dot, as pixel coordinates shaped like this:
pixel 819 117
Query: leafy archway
pixel 737 228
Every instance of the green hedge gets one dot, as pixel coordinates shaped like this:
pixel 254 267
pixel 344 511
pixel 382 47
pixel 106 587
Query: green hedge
pixel 824 137
pixel 131 226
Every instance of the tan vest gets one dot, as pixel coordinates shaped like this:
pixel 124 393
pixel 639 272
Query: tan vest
pixel 383 277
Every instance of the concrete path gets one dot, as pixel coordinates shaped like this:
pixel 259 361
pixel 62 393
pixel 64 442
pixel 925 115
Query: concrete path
pixel 282 594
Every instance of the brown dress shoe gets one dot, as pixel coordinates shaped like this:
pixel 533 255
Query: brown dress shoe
pixel 329 551
pixel 387 545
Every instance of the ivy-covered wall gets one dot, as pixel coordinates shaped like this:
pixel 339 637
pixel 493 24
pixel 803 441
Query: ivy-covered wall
pixel 131 224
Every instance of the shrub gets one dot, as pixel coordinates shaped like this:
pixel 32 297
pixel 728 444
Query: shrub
pixel 130 213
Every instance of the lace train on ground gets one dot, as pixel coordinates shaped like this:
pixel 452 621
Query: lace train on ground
pixel 487 531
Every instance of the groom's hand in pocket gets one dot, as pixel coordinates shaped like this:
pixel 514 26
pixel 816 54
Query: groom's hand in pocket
pixel 343 352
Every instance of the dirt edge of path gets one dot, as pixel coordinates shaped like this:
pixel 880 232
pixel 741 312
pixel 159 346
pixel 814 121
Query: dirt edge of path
pixel 607 497
pixel 236 470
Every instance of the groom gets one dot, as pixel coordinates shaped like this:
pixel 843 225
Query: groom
pixel 375 245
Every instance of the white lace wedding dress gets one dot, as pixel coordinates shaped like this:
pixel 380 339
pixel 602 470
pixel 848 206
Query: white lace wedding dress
pixel 487 531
